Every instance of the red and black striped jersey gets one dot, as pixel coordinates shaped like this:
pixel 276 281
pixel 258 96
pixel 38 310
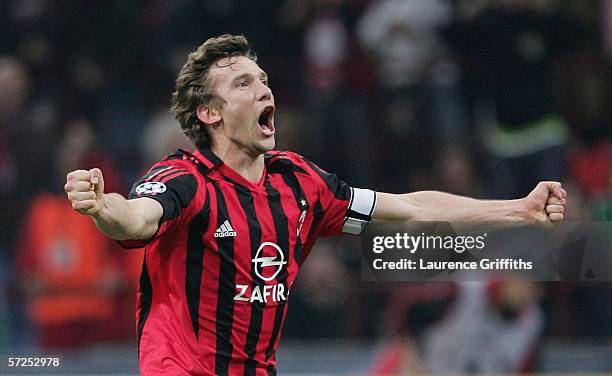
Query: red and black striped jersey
pixel 217 274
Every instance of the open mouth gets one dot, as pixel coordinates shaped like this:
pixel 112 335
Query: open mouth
pixel 266 121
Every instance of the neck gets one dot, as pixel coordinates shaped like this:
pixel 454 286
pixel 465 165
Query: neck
pixel 249 166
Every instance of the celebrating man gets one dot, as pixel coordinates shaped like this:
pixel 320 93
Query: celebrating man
pixel 227 226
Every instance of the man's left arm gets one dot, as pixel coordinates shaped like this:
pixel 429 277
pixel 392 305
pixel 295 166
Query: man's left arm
pixel 544 205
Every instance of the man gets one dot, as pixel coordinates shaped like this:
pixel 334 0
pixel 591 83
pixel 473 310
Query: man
pixel 227 227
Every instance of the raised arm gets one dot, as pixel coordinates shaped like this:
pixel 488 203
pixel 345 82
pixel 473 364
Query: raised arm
pixel 545 204
pixel 114 215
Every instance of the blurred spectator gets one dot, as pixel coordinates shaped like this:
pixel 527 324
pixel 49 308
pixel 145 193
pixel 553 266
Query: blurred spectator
pixel 319 295
pixel 161 136
pixel 27 125
pixel 492 328
pixel 68 270
pixel 409 31
pixel 14 93
pixel 417 83
pixel 509 48
pixel 591 169
pixel 337 122
pixel 467 327
pixel 408 313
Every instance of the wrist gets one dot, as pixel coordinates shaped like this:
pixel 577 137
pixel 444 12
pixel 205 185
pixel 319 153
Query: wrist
pixel 523 214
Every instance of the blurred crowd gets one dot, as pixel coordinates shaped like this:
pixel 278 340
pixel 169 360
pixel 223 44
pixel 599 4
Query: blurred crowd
pixel 475 97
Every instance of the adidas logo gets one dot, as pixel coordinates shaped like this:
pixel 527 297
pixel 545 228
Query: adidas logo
pixel 225 230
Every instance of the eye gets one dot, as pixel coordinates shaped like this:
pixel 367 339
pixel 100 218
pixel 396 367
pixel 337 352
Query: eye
pixel 265 82
pixel 243 83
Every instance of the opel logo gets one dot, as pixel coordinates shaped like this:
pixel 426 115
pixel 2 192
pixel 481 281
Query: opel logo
pixel 269 255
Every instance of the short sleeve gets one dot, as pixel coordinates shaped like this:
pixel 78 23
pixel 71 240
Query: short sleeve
pixel 174 187
pixel 345 209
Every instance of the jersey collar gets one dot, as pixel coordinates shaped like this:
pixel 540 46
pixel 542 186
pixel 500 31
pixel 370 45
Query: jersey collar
pixel 211 161
pixel 208 158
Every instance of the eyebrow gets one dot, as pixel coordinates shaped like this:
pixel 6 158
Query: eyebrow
pixel 262 75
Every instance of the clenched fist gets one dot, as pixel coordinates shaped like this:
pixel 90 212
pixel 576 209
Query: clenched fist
pixel 546 203
pixel 85 190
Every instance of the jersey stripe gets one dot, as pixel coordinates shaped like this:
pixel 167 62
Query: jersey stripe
pixel 195 258
pixel 162 178
pixel 156 173
pixel 312 236
pixel 271 370
pixel 292 204
pixel 225 295
pixel 255 322
pixel 293 182
pixel 282 239
pixel 331 181
pixel 144 300
pixel 209 294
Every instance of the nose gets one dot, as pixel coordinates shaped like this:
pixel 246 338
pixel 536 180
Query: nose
pixel 265 93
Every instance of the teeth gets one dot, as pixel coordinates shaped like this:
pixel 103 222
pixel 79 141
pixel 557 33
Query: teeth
pixel 265 120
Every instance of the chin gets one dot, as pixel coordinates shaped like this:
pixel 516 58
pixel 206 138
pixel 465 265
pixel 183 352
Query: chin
pixel 266 145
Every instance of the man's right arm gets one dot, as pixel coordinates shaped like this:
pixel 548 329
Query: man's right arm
pixel 114 215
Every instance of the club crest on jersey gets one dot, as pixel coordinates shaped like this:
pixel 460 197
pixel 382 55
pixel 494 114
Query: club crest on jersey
pixel 151 188
pixel 301 222
pixel 268 261
pixel 303 204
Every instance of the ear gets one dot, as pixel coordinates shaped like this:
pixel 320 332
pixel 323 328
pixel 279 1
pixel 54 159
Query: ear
pixel 208 114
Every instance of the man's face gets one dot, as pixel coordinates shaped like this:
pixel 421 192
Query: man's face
pixel 247 116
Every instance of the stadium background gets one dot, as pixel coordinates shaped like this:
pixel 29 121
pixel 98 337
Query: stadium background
pixel 392 95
